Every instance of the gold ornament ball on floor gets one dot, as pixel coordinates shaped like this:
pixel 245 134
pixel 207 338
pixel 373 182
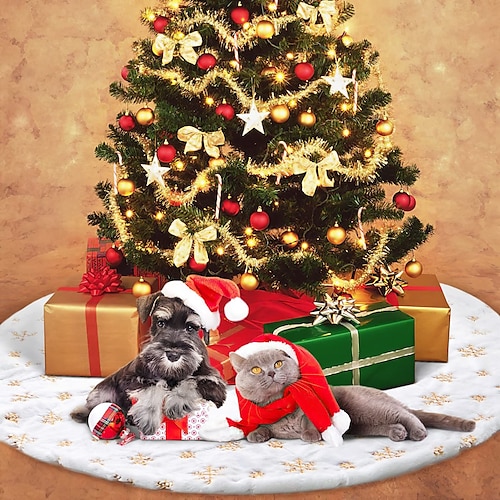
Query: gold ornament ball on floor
pixel 265 29
pixel 141 287
pixel 145 116
pixel 125 187
pixel 290 239
pixel 306 118
pixel 413 268
pixel 336 235
pixel 280 113
pixel 249 282
pixel 384 127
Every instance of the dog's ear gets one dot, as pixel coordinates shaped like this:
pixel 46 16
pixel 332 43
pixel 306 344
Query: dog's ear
pixel 145 305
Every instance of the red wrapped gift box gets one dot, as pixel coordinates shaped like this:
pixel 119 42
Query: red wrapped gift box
pixel 265 307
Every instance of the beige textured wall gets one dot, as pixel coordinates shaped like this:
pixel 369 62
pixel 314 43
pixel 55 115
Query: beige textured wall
pixel 438 59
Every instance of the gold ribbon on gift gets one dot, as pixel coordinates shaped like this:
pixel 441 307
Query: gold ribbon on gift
pixel 316 173
pixel 327 10
pixel 196 241
pixel 195 139
pixel 167 45
pixel 356 364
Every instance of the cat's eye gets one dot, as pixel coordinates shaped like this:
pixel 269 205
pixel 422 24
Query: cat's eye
pixel 278 364
pixel 256 370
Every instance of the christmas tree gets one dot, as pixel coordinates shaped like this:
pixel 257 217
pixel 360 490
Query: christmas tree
pixel 254 140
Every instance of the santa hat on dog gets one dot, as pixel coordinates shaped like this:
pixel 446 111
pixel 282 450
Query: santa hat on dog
pixel 203 295
pixel 311 393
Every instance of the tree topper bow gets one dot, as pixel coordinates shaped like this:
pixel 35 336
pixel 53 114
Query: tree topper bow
pixel 327 10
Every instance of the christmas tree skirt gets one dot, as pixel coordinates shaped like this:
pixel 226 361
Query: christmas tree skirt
pixel 35 419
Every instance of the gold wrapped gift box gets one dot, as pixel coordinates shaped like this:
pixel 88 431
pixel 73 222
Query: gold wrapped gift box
pixel 92 336
pixel 425 302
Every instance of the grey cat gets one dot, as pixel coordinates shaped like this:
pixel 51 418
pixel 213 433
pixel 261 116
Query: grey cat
pixel 263 376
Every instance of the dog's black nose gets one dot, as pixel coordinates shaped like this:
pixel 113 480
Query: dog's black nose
pixel 173 356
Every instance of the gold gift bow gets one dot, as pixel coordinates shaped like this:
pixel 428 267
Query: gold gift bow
pixel 316 173
pixel 183 248
pixel 326 8
pixel 195 138
pixel 186 44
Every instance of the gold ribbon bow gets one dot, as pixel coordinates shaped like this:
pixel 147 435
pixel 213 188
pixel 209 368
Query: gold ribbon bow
pixel 183 248
pixel 195 138
pixel 316 173
pixel 186 44
pixel 326 8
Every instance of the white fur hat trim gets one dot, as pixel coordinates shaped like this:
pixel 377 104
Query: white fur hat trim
pixel 255 347
pixel 191 299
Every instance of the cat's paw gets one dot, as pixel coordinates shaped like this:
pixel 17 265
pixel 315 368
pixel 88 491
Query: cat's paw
pixel 310 436
pixel 397 432
pixel 259 435
pixel 468 425
pixel 418 433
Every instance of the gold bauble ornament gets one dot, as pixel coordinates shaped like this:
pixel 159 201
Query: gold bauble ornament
pixel 306 118
pixel 141 287
pixel 280 113
pixel 290 239
pixel 336 235
pixel 145 116
pixel 157 51
pixel 413 268
pixel 265 29
pixel 268 71
pixel 347 40
pixel 125 187
pixel 249 282
pixel 384 127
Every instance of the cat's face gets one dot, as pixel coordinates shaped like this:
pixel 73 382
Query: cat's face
pixel 262 377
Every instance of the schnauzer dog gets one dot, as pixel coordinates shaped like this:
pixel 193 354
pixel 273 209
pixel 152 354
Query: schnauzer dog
pixel 174 358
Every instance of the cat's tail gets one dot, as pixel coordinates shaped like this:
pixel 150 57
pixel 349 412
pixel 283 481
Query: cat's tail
pixel 446 422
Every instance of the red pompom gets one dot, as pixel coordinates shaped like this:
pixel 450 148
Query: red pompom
pixel 404 201
pixel 230 207
pixel 225 110
pixel 166 153
pixel 126 122
pixel 304 71
pixel 240 15
pixel 206 61
pixel 259 220
pixel 160 23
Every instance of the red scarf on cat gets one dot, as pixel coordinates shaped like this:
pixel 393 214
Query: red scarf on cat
pixel 311 393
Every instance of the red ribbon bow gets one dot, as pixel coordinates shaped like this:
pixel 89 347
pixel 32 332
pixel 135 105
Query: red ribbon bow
pixel 96 283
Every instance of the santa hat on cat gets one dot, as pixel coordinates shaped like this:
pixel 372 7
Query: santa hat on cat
pixel 311 393
pixel 203 295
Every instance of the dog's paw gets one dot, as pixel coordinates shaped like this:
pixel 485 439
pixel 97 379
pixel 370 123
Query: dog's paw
pixel 175 407
pixel 212 389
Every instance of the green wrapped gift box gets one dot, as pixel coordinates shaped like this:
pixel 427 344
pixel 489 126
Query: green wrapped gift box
pixel 379 352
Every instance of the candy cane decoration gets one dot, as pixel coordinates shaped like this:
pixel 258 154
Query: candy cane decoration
pixel 285 154
pixel 115 172
pixel 219 196
pixel 355 83
pixel 360 227
pixel 236 52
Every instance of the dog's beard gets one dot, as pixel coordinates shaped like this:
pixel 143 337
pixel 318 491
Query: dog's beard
pixel 171 360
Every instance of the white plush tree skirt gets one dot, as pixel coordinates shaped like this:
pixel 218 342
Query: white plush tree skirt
pixel 34 412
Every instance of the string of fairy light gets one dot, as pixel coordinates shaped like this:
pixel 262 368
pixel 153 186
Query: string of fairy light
pixel 285 166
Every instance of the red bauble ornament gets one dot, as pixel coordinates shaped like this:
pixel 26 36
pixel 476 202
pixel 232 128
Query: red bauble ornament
pixel 404 201
pixel 166 153
pixel 126 123
pixel 114 257
pixel 206 61
pixel 240 15
pixel 225 110
pixel 304 71
pixel 230 207
pixel 259 220
pixel 160 23
pixel 195 266
pixel 124 73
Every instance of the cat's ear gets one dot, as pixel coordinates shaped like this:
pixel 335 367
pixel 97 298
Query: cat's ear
pixel 237 361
